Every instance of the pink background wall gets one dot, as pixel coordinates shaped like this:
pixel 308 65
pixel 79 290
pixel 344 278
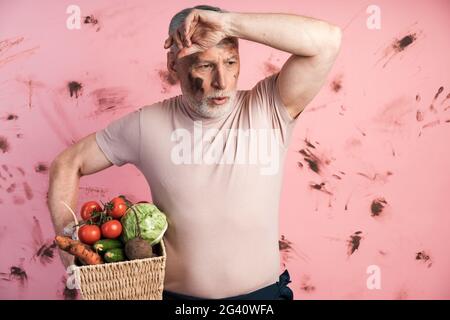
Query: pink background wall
pixel 378 131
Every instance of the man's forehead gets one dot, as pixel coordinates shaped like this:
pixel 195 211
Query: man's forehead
pixel 218 52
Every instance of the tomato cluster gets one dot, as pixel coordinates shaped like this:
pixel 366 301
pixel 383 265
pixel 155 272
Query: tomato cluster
pixel 101 222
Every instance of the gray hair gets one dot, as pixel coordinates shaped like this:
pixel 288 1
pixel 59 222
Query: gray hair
pixel 178 19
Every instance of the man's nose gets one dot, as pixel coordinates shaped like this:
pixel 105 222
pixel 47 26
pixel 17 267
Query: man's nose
pixel 219 80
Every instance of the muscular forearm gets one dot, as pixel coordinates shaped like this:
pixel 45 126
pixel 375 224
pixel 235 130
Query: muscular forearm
pixel 64 181
pixel 295 34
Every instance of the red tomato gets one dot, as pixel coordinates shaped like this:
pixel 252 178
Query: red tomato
pixel 117 207
pixel 88 208
pixel 111 229
pixel 89 234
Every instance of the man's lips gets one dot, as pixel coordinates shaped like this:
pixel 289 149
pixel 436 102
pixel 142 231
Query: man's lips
pixel 219 101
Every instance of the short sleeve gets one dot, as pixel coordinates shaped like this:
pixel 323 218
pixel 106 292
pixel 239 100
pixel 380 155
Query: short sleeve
pixel 267 100
pixel 120 141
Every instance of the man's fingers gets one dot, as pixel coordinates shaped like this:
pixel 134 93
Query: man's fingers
pixel 188 51
pixel 168 42
pixel 177 39
pixel 188 27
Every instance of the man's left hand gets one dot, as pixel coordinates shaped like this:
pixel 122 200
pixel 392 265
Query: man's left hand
pixel 201 30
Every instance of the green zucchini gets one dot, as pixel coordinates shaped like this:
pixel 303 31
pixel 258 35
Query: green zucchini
pixel 107 244
pixel 115 255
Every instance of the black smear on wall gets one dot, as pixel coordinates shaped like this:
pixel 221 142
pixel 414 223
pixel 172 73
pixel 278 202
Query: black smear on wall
pixel 425 257
pixel 41 167
pixel 68 294
pixel 336 84
pixel 28 191
pixel 12 117
pixel 320 187
pixel 404 42
pixel 377 206
pixel 354 242
pixel 109 99
pixel 4 145
pixel 398 46
pixel 284 244
pixel 44 250
pixel 18 275
pixel 75 89
pixel 22 172
pixel 92 20
pixel 46 253
pixel 313 161
pixel 438 92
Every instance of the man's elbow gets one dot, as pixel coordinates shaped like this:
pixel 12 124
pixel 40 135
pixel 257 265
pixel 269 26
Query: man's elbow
pixel 64 162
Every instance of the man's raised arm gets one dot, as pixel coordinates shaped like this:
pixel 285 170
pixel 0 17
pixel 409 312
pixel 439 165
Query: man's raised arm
pixel 314 45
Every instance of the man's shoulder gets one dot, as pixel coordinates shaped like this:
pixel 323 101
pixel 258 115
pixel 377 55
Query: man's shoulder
pixel 161 105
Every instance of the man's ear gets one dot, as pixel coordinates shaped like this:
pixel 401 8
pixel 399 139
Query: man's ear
pixel 171 65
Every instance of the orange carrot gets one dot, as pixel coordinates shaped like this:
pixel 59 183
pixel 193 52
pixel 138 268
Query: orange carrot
pixel 64 242
pixel 79 250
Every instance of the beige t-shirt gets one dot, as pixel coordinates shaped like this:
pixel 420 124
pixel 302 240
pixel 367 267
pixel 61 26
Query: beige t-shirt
pixel 219 183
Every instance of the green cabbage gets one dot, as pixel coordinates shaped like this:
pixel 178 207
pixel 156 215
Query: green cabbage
pixel 152 223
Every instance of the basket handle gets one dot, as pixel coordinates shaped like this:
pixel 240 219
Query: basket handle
pixel 73 215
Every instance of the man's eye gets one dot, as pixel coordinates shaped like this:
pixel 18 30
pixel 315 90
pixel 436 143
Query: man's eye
pixel 204 66
pixel 231 62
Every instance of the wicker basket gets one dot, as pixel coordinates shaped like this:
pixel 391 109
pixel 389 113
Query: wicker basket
pixel 127 280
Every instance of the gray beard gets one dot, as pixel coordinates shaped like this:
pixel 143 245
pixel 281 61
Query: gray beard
pixel 211 111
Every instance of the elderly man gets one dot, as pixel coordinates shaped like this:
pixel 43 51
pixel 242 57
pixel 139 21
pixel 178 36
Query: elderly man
pixel 213 156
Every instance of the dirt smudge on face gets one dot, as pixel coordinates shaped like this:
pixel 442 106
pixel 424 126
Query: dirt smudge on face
pixel 196 84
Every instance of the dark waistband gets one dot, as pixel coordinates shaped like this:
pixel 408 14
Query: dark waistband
pixel 276 291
